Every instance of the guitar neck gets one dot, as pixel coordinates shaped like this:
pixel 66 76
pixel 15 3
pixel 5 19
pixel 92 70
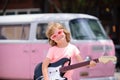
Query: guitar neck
pixel 74 66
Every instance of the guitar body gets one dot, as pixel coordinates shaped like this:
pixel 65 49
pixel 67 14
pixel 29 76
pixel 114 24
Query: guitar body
pixel 53 70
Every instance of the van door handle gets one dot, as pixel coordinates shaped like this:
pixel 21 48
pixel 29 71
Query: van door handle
pixel 33 51
pixel 26 51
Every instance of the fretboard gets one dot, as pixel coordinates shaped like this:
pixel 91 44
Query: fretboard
pixel 74 66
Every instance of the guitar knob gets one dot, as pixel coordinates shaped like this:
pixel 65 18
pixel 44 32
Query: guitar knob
pixel 56 71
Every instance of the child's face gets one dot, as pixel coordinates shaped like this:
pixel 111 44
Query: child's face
pixel 58 35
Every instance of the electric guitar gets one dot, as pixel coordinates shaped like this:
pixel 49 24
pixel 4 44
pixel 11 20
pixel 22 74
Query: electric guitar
pixel 57 70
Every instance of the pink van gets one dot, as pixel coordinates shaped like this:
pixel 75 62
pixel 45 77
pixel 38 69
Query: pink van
pixel 23 44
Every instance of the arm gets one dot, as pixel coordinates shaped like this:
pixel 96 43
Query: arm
pixel 45 68
pixel 79 59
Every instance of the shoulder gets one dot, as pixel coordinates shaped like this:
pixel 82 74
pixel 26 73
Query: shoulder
pixel 72 45
pixel 52 48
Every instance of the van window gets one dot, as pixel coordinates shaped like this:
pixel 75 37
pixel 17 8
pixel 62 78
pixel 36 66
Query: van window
pixel 78 31
pixel 86 29
pixel 14 32
pixel 95 27
pixel 41 29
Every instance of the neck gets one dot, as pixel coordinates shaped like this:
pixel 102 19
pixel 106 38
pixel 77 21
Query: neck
pixel 62 44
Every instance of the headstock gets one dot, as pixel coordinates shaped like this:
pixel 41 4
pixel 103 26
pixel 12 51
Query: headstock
pixel 106 59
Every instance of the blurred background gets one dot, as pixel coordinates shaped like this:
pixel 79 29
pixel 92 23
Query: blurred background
pixel 108 11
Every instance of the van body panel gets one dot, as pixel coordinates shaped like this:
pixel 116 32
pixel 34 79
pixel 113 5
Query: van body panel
pixel 29 18
pixel 14 60
pixel 38 54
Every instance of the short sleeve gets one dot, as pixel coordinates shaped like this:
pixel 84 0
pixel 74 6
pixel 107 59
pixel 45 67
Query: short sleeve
pixel 50 54
pixel 76 51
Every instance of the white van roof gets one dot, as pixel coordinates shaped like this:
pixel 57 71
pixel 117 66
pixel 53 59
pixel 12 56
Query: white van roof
pixel 27 18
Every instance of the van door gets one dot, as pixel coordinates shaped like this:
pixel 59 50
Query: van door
pixel 39 46
pixel 14 51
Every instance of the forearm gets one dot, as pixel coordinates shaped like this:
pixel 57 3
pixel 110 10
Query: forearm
pixel 45 72
pixel 45 69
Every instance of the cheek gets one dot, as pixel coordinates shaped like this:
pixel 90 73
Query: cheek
pixel 62 36
pixel 59 37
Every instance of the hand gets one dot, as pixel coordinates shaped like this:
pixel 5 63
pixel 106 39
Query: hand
pixel 92 64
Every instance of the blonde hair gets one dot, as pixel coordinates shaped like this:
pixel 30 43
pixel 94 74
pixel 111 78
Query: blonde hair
pixel 50 30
